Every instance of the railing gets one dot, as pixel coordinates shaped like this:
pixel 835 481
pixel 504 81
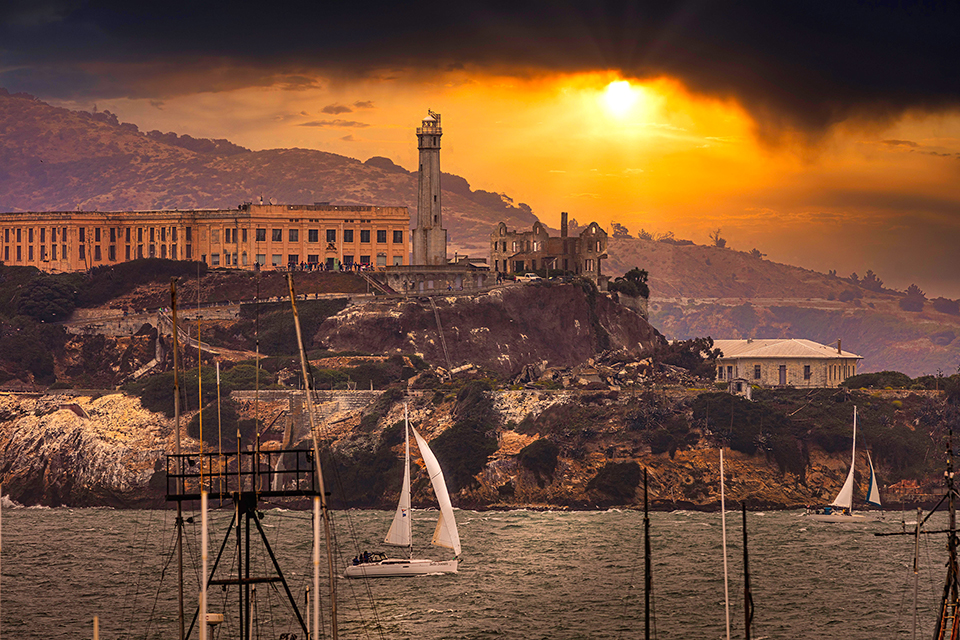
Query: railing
pixel 279 473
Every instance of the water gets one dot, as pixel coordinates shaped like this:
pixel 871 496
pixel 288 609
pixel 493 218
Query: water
pixel 524 575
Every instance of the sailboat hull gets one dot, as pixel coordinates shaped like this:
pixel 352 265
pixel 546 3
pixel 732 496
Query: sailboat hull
pixel 397 568
pixel 839 517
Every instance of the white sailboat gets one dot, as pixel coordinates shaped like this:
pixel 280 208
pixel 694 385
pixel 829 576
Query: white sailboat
pixel 401 530
pixel 841 509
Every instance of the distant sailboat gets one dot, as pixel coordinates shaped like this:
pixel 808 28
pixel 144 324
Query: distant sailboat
pixel 841 509
pixel 401 529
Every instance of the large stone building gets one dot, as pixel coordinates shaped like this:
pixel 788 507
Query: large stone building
pixel 522 251
pixel 270 235
pixel 784 363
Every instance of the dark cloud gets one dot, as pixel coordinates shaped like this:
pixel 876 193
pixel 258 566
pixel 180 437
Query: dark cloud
pixel 901 143
pixel 348 138
pixel 334 123
pixel 800 64
pixel 363 104
pixel 336 109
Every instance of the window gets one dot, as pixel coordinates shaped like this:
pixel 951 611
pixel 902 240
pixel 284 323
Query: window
pixel 153 235
pixel 275 259
pixel 729 373
pixel 294 235
pixel 243 235
pixel 331 235
pixel 293 258
pixel 127 236
pixel 6 253
pixel 720 373
pixel 139 234
pixel 163 234
pixel 348 260
pixel 313 259
pixel 163 250
pixel 63 252
pixel 30 234
pixel 43 234
pixel 18 236
pixel 364 259
pixel 127 252
pixel 189 231
pixel 382 257
pixel 397 260
pixel 381 236
pixel 53 234
pixel 20 254
pixel 173 234
pixel 82 255
pixel 43 253
pixel 756 372
pixel 53 252
pixel 348 235
pixel 397 237
pixel 260 235
pixel 139 251
pixel 83 235
pixel 276 235
pixel 173 252
pixel 313 235
pixel 806 372
pixel 113 234
pixel 365 235
pixel 30 252
pixel 189 252
pixel 153 251
pixel 215 259
pixel 261 259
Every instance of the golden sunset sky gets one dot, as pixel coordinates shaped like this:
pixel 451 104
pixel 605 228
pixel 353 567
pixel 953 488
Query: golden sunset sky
pixel 825 137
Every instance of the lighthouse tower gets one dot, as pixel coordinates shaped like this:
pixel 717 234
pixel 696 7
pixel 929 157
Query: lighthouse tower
pixel 429 238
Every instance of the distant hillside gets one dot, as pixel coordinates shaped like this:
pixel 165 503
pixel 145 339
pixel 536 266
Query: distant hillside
pixel 56 159
pixel 703 290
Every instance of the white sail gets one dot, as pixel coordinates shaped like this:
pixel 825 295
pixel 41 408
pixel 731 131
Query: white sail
pixel 446 534
pixel 873 495
pixel 401 530
pixel 845 497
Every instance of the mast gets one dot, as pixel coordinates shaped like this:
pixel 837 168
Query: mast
pixel 647 577
pixel 947 622
pixel 176 412
pixel 747 594
pixel 325 512
pixel 853 455
pixel 723 526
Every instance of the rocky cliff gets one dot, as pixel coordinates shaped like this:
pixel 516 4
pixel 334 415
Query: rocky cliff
pixel 501 330
pixel 557 449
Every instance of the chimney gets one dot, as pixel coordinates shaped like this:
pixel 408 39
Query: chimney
pixel 563 224
pixel 839 350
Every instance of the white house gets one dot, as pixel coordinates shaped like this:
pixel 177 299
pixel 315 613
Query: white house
pixel 790 362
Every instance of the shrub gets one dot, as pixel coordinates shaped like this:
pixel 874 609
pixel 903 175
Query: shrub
pixel 945 305
pixel 878 380
pixel 220 429
pixel 618 481
pixel 696 355
pixel 463 449
pixel 540 457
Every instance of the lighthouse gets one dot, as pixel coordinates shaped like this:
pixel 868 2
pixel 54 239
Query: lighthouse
pixel 429 238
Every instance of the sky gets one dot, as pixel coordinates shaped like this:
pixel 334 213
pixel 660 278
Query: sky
pixel 826 135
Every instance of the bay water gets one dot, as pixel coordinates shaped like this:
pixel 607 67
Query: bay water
pixel 524 574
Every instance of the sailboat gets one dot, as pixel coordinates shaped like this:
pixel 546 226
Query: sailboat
pixel 401 529
pixel 841 509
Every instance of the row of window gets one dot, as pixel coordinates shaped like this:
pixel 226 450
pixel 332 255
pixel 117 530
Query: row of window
pixel 148 251
pixel 836 372
pixel 313 235
pixel 114 232
pixel 276 259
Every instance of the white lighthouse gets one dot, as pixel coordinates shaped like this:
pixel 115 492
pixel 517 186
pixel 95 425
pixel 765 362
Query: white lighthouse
pixel 429 238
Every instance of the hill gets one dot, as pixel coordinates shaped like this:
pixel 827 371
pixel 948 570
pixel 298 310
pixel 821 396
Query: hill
pixel 57 159
pixel 701 290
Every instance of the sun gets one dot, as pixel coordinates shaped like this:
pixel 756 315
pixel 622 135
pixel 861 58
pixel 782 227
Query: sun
pixel 620 96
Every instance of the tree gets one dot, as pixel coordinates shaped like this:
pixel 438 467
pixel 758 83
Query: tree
pixel 945 305
pixel 619 231
pixel 47 299
pixel 643 234
pixel 913 299
pixel 717 240
pixel 632 283
pixel 756 254
pixel 871 282
pixel 854 278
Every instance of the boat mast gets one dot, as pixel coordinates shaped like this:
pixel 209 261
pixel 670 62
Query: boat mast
pixel 853 461
pixel 747 594
pixel 325 512
pixel 176 413
pixel 647 577
pixel 947 620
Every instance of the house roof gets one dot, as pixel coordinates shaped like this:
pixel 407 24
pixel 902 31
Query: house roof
pixel 780 348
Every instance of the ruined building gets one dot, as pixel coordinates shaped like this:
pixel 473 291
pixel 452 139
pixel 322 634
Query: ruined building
pixel 517 252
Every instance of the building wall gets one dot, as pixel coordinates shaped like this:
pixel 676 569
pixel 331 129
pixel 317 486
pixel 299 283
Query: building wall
pixel 824 372
pixel 274 235
pixel 522 251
